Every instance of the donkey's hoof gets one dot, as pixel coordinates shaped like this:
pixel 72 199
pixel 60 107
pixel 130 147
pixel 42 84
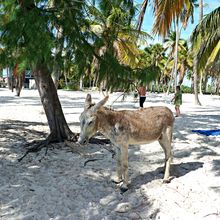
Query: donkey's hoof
pixel 123 189
pixel 168 180
pixel 117 181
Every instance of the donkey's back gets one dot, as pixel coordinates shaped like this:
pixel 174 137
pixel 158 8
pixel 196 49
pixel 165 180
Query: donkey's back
pixel 140 126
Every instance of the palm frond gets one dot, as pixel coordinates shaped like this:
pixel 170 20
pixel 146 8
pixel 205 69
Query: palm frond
pixel 214 53
pixel 98 16
pixel 141 15
pixel 209 24
pixel 167 11
pixel 205 38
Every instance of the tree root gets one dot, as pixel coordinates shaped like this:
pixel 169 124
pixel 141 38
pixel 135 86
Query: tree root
pixel 91 160
pixel 99 141
pixel 38 145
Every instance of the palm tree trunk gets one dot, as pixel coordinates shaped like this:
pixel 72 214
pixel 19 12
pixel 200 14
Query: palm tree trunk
pixel 59 130
pixel 205 83
pixel 200 18
pixel 10 78
pixel 200 10
pixel 218 84
pixel 181 73
pixel 174 69
pixel 201 84
pixel 195 61
pixel 19 82
pixel 81 83
pixel 176 54
pixel 171 79
pixel 195 74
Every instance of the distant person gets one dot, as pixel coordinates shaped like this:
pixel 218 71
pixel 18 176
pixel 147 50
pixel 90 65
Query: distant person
pixel 142 95
pixel 177 100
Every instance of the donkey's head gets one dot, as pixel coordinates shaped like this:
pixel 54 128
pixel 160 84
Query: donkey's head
pixel 88 119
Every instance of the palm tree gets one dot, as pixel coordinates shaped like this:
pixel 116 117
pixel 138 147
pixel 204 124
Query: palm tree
pixel 173 44
pixel 185 62
pixel 195 62
pixel 167 12
pixel 213 70
pixel 116 40
pixel 206 40
pixel 155 57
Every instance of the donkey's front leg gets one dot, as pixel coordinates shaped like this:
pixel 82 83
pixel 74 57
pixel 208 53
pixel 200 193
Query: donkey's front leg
pixel 124 165
pixel 118 178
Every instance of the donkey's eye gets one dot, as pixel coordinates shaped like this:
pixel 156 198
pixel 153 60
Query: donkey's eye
pixel 83 122
pixel 90 122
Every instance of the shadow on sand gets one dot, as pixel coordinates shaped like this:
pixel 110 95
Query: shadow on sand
pixel 177 170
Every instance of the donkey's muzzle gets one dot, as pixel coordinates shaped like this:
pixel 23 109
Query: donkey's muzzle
pixel 83 140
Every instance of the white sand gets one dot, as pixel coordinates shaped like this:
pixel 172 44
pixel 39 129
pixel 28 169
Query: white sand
pixel 59 186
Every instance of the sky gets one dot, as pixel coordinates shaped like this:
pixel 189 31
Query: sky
pixel 210 5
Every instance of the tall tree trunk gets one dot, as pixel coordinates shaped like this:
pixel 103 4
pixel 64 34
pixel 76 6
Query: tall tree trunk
pixel 56 73
pixel 195 76
pixel 59 130
pixel 19 82
pixel 10 78
pixel 164 77
pixel 170 82
pixel 81 83
pixel 56 76
pixel 176 54
pixel 182 73
pixel 200 10
pixel 201 84
pixel 174 69
pixel 200 18
pixel 205 83
pixel 218 84
pixel 65 78
pixel 195 61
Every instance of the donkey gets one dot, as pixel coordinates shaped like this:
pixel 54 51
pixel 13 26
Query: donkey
pixel 127 127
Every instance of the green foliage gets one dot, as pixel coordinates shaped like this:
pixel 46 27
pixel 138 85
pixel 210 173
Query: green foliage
pixel 29 31
pixel 121 76
pixel 23 36
pixel 116 58
pixel 70 86
pixel 205 38
pixel 186 89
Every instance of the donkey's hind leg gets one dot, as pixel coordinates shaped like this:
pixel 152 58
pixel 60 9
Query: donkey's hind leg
pixel 165 142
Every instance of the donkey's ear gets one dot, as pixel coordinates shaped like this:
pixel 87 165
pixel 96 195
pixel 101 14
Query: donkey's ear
pixel 88 101
pixel 101 103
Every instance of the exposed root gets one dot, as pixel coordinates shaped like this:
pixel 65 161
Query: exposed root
pixel 109 149
pixel 91 160
pixel 38 145
pixel 73 137
pixel 99 141
pixel 74 148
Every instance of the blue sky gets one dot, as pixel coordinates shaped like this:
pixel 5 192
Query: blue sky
pixel 210 5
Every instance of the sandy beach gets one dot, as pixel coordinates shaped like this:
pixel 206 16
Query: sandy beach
pixel 71 183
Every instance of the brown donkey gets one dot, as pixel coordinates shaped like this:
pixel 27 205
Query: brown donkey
pixel 127 127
